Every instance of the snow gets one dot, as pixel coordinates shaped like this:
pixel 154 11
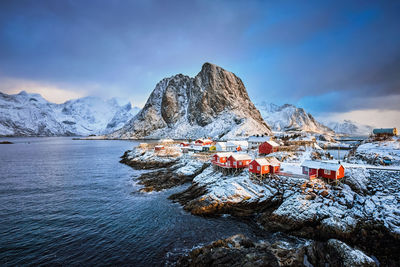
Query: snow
pixel 349 127
pixel 31 114
pixel 321 165
pixel 289 117
pixel 381 149
pixel 234 189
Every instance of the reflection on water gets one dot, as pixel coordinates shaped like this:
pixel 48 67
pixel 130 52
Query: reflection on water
pixel 68 202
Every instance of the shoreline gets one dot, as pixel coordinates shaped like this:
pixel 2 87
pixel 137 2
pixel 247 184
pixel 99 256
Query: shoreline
pixel 274 203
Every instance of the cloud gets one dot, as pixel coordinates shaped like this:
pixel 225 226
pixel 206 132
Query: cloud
pixel 314 54
pixel 374 117
pixel 50 92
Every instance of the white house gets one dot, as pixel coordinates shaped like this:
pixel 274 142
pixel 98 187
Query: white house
pixel 220 146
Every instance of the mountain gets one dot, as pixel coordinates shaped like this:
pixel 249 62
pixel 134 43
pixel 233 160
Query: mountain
pixel 215 104
pixel 349 127
pixel 290 118
pixel 26 114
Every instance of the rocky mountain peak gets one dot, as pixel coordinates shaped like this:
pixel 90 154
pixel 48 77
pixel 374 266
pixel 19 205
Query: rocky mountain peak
pixel 213 103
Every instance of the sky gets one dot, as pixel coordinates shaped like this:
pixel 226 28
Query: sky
pixel 337 59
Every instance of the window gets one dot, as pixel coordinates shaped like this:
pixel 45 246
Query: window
pixel 327 172
pixel 240 163
pixel 234 163
pixel 258 168
pixel 265 168
pixel 251 167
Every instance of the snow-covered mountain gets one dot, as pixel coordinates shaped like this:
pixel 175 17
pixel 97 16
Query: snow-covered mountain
pixel 215 103
pixel 26 114
pixel 349 127
pixel 290 118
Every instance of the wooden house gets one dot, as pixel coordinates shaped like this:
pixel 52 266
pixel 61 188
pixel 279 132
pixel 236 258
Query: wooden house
pixel 268 147
pixel 255 141
pixel 220 146
pixel 203 142
pixel 159 148
pixel 274 165
pixel 238 161
pixel 385 132
pixel 321 169
pixel 220 158
pixel 184 144
pixel 259 166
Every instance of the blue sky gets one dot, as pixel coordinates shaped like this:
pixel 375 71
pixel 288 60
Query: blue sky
pixel 334 58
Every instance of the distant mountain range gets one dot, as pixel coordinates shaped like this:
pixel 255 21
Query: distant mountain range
pixel 214 103
pixel 291 118
pixel 349 127
pixel 27 114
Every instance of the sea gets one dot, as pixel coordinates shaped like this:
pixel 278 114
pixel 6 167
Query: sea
pixel 70 202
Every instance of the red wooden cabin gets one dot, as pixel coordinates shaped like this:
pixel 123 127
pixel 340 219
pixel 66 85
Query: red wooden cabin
pixel 320 169
pixel 158 148
pixel 220 158
pixel 268 147
pixel 259 166
pixel 238 161
pixel 184 144
pixel 274 165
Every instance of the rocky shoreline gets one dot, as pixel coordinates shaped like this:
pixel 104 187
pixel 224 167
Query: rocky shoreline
pixel 363 211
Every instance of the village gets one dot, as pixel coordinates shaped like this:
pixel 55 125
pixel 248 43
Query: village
pixel 293 155
pixel 288 182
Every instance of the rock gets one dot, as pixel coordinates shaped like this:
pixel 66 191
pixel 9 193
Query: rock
pixel 215 103
pixel 237 250
pixel 6 143
pixel 344 255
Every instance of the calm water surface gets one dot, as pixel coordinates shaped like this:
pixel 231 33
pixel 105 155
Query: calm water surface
pixel 69 202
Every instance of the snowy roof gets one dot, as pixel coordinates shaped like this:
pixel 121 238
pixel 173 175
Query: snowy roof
pixel 273 161
pixel 166 141
pixel 272 143
pixel 259 138
pixel 262 161
pixel 203 140
pixel 321 165
pixel 223 154
pixel 241 157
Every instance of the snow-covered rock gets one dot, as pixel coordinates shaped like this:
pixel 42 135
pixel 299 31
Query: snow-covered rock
pixel 290 118
pixel 349 256
pixel 215 103
pixel 375 152
pixel 27 114
pixel 349 127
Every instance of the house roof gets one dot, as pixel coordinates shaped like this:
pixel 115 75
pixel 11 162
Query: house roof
pixel 223 154
pixel 203 140
pixel 262 161
pixel 385 131
pixel 273 161
pixel 240 156
pixel 321 165
pixel 272 143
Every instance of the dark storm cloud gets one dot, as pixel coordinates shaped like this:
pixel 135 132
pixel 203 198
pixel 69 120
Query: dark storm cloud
pixel 284 52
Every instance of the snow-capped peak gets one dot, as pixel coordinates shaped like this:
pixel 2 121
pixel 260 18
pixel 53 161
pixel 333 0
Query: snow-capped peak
pixel 26 114
pixel 290 118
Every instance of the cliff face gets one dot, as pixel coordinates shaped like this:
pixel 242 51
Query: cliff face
pixel 214 103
